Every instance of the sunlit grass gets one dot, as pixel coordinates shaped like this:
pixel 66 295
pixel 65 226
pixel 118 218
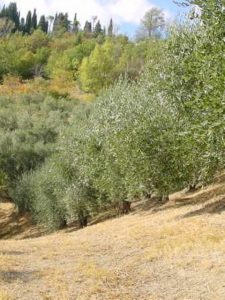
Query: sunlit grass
pixel 131 257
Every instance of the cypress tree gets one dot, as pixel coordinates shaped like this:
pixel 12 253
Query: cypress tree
pixel 28 22
pixel 11 12
pixel 110 28
pixel 87 27
pixel 98 29
pixel 66 22
pixel 22 25
pixel 34 20
pixel 55 23
pixel 14 15
pixel 43 24
pixel 3 12
pixel 46 26
pixel 75 24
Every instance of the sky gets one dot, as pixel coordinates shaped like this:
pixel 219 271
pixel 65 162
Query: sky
pixel 126 14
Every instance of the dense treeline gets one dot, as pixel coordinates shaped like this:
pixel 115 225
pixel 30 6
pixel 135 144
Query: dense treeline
pixel 56 24
pixel 72 60
pixel 66 56
pixel 156 135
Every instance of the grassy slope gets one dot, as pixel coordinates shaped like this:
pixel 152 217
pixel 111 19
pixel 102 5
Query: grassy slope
pixel 175 251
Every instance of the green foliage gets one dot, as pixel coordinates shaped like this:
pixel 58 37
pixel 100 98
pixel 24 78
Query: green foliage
pixel 55 48
pixel 91 62
pixel 69 59
pixel 157 134
pixel 61 23
pixel 3 181
pixel 195 81
pixel 99 69
pixel 98 29
pixel 28 131
pixel 116 57
pixel 23 55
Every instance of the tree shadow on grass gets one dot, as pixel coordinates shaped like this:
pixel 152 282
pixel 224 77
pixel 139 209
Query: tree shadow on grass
pixel 22 276
pixel 200 197
pixel 12 224
pixel 147 205
pixel 100 218
pixel 11 253
pixel 216 207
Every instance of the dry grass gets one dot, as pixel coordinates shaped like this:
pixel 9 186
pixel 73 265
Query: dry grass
pixel 175 251
pixel 62 85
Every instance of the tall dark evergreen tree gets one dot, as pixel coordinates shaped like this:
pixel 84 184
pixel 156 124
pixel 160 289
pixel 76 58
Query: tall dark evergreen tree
pixel 22 25
pixel 43 24
pixel 3 12
pixel 88 27
pixel 64 22
pixel 98 29
pixel 28 22
pixel 11 13
pixel 110 28
pixel 14 15
pixel 76 24
pixel 34 20
pixel 55 23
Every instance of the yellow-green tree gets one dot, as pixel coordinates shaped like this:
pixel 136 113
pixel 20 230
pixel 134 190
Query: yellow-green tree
pixel 99 70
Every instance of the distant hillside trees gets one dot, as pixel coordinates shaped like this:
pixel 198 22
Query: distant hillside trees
pixel 61 51
pixel 58 24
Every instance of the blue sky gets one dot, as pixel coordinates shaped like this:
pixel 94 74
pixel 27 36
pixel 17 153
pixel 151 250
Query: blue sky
pixel 125 13
pixel 171 9
pixel 167 5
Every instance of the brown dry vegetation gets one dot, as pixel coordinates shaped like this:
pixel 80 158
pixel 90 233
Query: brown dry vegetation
pixel 173 251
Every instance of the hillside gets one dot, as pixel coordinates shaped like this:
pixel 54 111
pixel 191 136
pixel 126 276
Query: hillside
pixel 174 251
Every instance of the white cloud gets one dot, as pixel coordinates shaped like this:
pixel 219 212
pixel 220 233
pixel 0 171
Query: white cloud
pixel 129 11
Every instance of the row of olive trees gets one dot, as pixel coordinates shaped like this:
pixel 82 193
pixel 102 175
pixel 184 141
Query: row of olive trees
pixel 133 142
pixel 29 126
pixel 157 135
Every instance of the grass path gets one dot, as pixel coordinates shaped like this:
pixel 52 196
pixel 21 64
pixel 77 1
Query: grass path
pixel 175 251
